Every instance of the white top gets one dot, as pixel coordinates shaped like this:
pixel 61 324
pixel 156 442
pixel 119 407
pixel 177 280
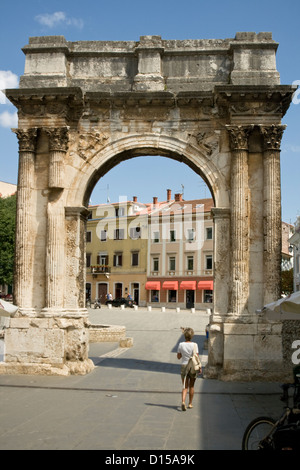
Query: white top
pixel 186 350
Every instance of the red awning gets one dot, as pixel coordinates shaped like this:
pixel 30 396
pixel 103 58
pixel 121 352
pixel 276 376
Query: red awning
pixel 206 285
pixel 188 285
pixel 152 285
pixel 170 285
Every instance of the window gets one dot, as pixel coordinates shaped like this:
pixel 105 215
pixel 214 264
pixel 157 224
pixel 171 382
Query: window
pixel 172 236
pixel 172 263
pixel 155 264
pixel 103 235
pixel 209 233
pixel 208 296
pixel 119 234
pixel 191 234
pixel 120 211
pixel 135 233
pixel 88 260
pixel 88 237
pixel 135 258
pixel 172 296
pixel 209 262
pixel 155 296
pixel 102 259
pixel 118 259
pixel 155 237
pixel 190 263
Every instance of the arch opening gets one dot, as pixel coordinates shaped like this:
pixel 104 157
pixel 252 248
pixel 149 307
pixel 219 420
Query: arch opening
pixel 126 155
pixel 127 256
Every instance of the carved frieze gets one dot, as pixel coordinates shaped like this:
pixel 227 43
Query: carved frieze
pixel 207 141
pixel 89 143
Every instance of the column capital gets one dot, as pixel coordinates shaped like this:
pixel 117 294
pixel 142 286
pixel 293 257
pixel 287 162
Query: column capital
pixel 58 138
pixel 272 136
pixel 27 139
pixel 239 136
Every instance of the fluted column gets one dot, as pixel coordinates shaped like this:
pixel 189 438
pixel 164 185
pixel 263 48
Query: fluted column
pixel 239 218
pixel 58 145
pixel 272 136
pixel 221 217
pixel 24 230
pixel 55 260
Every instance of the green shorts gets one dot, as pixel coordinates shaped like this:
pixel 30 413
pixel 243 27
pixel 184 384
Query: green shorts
pixel 190 375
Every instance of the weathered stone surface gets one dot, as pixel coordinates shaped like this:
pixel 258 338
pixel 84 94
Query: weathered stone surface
pixel 84 107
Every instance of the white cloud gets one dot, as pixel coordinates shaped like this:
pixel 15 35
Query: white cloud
pixel 290 148
pixel 7 80
pixel 59 17
pixel 8 119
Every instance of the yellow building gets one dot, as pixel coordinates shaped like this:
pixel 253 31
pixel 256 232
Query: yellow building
pixel 116 251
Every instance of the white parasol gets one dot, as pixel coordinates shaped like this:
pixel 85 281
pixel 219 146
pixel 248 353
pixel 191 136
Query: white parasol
pixel 287 308
pixel 7 309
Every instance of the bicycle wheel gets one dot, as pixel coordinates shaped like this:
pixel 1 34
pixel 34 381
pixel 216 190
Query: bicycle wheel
pixel 255 432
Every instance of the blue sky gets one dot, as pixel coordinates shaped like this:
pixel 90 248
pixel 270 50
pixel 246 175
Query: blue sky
pixel 171 19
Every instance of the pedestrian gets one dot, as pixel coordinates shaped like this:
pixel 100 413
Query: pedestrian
pixel 184 352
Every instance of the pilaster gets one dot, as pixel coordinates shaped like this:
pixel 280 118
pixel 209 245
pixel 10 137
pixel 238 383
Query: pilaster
pixel 58 145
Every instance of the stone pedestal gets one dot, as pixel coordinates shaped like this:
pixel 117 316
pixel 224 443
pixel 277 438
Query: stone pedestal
pixel 51 345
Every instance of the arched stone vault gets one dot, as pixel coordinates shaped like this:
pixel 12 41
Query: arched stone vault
pixel 84 107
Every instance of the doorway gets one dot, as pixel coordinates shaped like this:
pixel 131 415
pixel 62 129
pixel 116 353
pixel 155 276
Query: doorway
pixel 102 292
pixel 135 287
pixel 118 290
pixel 190 299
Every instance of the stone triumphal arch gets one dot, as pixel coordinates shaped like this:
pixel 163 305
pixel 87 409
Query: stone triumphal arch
pixel 83 107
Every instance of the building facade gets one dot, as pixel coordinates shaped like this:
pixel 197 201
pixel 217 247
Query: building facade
pixel 116 252
pixel 286 252
pixel 294 242
pixel 180 254
pixel 161 254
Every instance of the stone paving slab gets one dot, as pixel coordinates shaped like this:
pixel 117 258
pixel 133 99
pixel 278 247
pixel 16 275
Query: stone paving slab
pixel 131 401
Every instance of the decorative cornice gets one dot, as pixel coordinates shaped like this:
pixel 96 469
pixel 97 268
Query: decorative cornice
pixel 255 100
pixel 40 103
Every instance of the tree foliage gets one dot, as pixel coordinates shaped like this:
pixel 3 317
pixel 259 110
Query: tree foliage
pixel 7 238
pixel 287 282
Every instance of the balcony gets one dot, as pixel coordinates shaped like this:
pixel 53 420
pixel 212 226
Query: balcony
pixel 100 269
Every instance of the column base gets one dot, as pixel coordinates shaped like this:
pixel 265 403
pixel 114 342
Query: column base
pixel 246 348
pixel 69 368
pixel 50 344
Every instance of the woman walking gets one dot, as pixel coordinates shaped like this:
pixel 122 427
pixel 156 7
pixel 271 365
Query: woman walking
pixel 185 352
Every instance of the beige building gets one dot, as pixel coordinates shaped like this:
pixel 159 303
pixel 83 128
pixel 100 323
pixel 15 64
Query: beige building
pixel 286 252
pixel 7 189
pixel 294 242
pixel 180 254
pixel 116 252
